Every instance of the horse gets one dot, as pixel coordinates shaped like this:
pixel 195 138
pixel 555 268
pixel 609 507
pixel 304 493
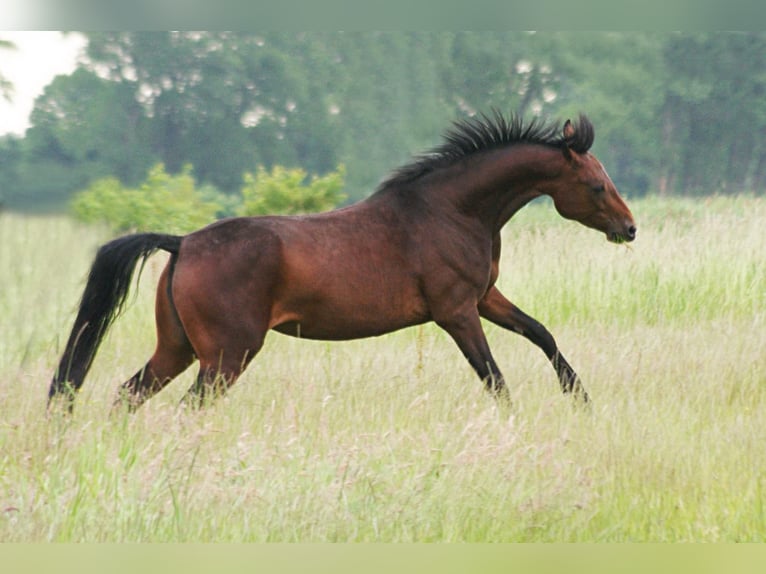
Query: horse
pixel 425 246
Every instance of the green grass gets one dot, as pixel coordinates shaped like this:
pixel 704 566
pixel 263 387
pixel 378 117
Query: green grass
pixel 393 439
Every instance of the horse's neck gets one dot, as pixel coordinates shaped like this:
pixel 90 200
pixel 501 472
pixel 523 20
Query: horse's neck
pixel 503 181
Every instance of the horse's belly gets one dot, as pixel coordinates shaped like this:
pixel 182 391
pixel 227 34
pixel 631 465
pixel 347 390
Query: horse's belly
pixel 347 319
pixel 345 333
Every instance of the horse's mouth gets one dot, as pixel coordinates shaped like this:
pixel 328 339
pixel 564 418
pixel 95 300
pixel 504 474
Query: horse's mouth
pixel 622 236
pixel 614 237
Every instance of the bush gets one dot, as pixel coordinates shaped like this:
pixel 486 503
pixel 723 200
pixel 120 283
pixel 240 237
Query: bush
pixel 164 202
pixel 172 204
pixel 290 192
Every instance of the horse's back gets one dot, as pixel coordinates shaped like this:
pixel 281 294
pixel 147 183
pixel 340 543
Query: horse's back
pixel 337 275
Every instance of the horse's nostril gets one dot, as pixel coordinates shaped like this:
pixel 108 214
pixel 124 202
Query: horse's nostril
pixel 632 232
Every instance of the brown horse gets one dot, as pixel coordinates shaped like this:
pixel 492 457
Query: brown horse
pixel 424 247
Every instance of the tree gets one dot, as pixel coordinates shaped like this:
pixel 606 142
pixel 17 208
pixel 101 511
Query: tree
pixel 215 100
pixel 6 149
pixel 673 112
pixel 6 87
pixel 617 79
pixel 385 97
pixel 505 70
pixel 91 123
pixel 715 111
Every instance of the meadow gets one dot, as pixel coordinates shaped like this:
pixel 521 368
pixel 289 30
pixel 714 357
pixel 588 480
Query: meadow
pixel 393 439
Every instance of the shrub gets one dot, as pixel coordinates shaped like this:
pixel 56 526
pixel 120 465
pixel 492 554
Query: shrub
pixel 290 191
pixel 164 202
pixel 172 203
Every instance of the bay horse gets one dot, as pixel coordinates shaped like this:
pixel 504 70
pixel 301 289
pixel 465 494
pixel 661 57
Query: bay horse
pixel 424 247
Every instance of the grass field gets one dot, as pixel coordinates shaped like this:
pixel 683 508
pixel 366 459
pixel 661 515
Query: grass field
pixel 393 439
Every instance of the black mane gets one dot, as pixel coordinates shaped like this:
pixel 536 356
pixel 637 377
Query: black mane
pixel 482 133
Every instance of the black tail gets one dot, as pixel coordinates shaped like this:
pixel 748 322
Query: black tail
pixel 102 301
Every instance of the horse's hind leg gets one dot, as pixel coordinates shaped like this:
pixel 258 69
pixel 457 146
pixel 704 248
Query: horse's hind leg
pixel 219 371
pixel 228 293
pixel 214 379
pixel 172 355
pixel 165 365
pixel 224 349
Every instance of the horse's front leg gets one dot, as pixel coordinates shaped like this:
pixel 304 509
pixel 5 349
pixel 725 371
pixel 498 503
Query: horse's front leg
pixel 465 329
pixel 496 308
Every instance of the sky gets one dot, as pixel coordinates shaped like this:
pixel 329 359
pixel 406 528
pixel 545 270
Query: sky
pixel 37 59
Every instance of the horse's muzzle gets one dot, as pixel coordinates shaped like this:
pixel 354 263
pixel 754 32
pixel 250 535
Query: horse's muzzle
pixel 625 235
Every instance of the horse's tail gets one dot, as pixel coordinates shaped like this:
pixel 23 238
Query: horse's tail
pixel 102 301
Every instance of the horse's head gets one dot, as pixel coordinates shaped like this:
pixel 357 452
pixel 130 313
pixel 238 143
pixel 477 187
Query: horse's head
pixel 584 192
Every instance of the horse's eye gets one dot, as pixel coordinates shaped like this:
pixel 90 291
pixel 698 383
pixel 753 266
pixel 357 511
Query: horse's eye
pixel 599 188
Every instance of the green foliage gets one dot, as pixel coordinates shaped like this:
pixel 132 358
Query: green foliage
pixel 44 185
pixel 714 111
pixel 6 86
pixel 173 203
pixel 674 112
pixel 164 202
pixel 290 191
pixel 610 74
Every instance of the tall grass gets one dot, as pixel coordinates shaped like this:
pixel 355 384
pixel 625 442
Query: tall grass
pixel 394 439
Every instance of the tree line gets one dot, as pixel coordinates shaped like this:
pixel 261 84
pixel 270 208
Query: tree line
pixel 675 113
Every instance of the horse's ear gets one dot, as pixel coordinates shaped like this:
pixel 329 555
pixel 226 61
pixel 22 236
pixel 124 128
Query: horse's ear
pixel 569 130
pixel 569 134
